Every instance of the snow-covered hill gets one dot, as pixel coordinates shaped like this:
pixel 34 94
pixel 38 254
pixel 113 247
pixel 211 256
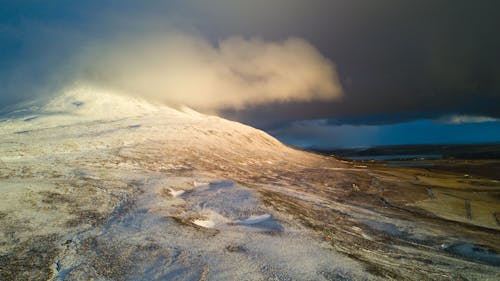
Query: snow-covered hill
pixel 85 111
pixel 90 122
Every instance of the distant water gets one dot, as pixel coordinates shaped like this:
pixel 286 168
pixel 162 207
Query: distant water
pixel 396 157
pixel 408 164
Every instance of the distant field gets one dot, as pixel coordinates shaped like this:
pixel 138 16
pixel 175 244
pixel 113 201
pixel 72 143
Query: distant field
pixel 462 185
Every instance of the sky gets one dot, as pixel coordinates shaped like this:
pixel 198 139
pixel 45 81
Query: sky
pixel 325 134
pixel 312 72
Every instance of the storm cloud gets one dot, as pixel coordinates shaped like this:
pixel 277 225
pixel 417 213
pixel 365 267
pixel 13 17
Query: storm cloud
pixel 402 60
pixel 407 59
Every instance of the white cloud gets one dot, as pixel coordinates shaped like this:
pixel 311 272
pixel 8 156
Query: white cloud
pixel 180 68
pixel 461 119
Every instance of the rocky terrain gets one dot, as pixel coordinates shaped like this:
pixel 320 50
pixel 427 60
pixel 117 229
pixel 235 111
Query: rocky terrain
pixel 101 186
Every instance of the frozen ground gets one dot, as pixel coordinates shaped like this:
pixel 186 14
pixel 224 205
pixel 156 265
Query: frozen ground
pixel 158 238
pixel 98 185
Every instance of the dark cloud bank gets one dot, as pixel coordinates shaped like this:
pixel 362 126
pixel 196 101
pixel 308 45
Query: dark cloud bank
pixel 393 60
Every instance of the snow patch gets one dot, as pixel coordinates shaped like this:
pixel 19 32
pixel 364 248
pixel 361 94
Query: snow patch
pixel 211 219
pixel 176 193
pixel 205 223
pixel 199 184
pixel 254 219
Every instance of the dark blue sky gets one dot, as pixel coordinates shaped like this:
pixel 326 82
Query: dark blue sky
pixel 399 63
pixel 321 134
